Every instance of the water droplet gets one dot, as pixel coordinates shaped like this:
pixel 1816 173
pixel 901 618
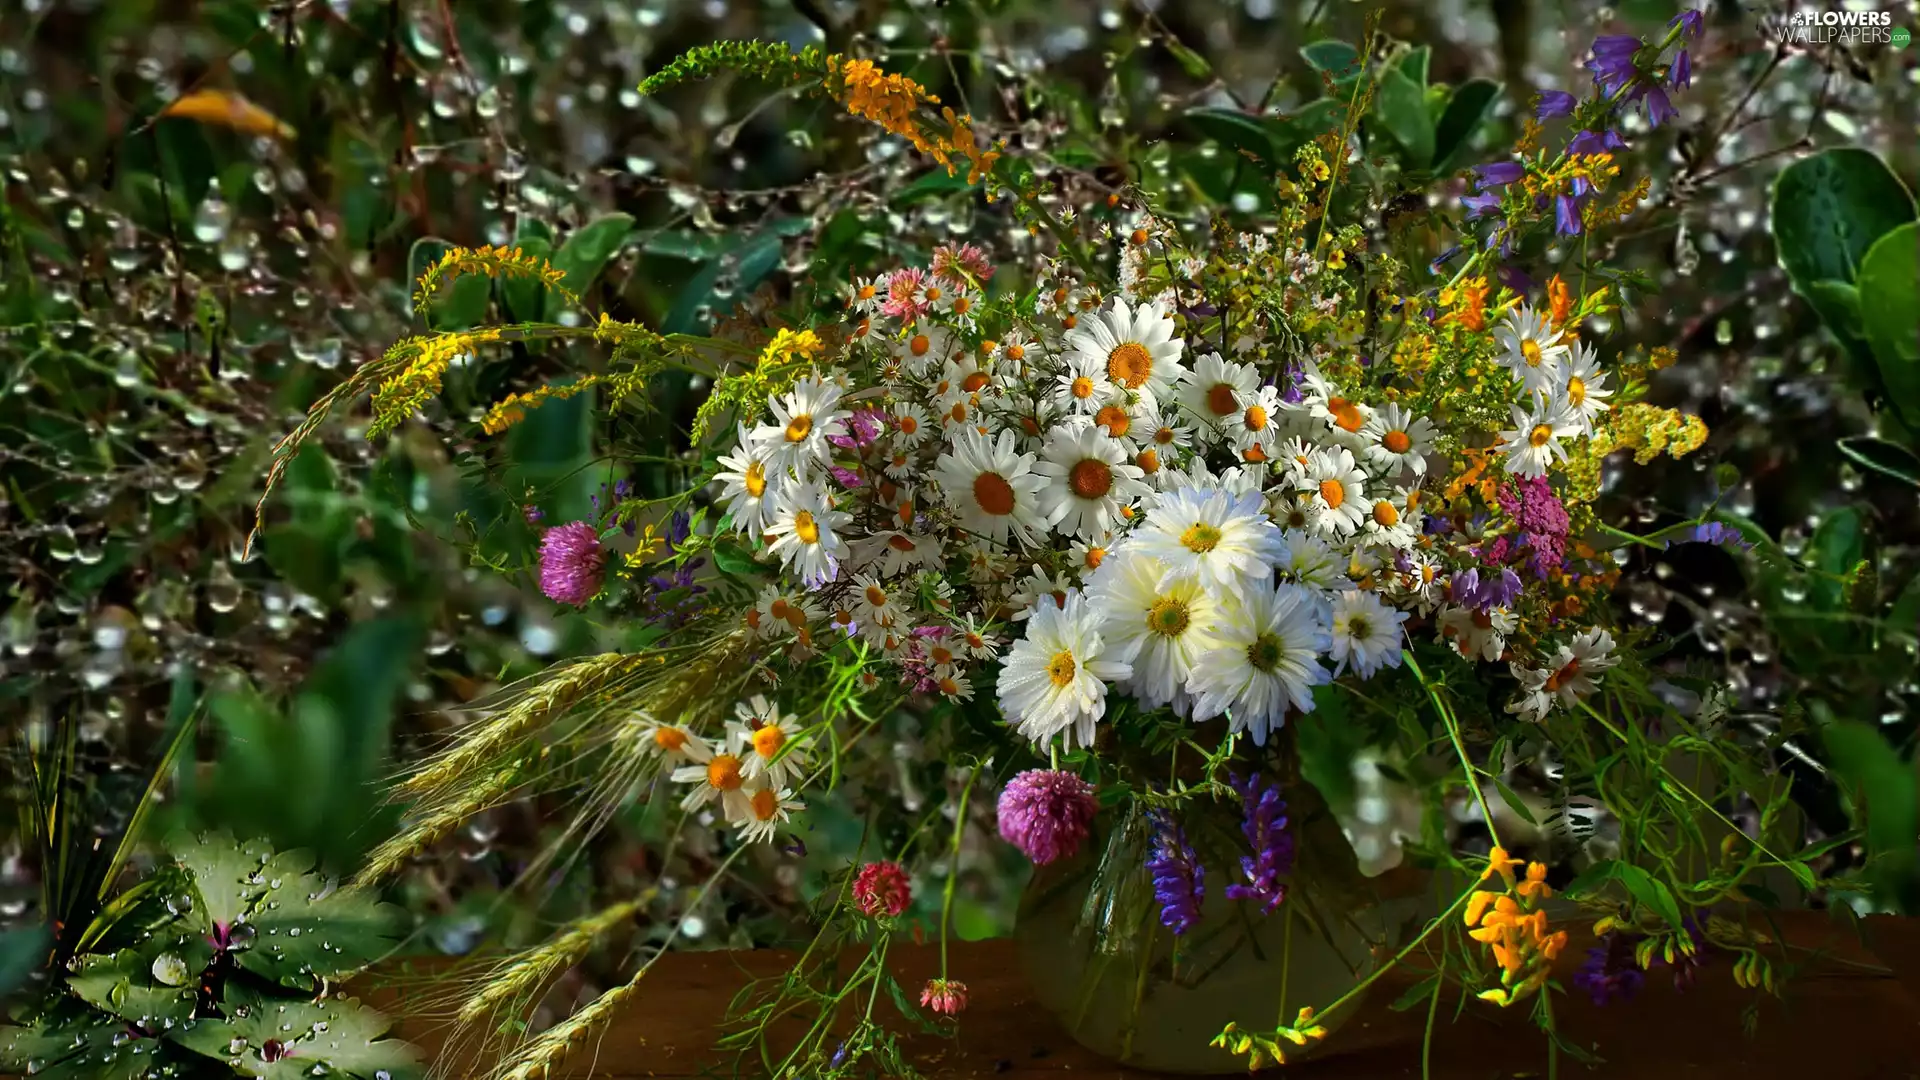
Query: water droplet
pixel 212 219
pixel 488 103
pixel 169 969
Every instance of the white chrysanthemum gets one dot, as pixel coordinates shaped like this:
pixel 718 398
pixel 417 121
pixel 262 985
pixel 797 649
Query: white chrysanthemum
pixel 1223 540
pixel 1336 490
pixel 1265 662
pixel 750 486
pixel 1534 441
pixel 1089 480
pixel 909 422
pixel 959 410
pixel 1016 349
pixel 1583 397
pixel 865 295
pixel 1311 561
pixel 1082 387
pixel 894 552
pixel 1325 402
pixel 1211 393
pixel 1169 435
pixel 974 641
pixel 1132 424
pixel 1366 633
pixel 804 533
pixel 803 419
pixel 1160 630
pixel 1533 352
pixel 671 743
pixel 764 809
pixel 1054 680
pixel 1535 700
pixel 767 743
pixel 1137 349
pixel 1255 429
pixel 1576 666
pixel 924 347
pixel 1477 635
pixel 1422 581
pixel 992 489
pixel 1395 439
pixel 876 604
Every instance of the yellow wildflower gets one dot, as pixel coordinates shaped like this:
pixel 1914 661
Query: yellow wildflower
pixel 513 408
pixel 402 395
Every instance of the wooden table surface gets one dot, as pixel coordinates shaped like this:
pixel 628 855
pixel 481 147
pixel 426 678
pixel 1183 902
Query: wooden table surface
pixel 1836 1023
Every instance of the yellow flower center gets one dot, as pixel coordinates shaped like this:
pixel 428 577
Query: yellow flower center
pixel 1148 461
pixel 1256 418
pixel 1082 388
pixel 805 528
pixel 756 479
pixel 765 804
pixel 876 596
pixel 1201 537
pixel 1530 352
pixel 1168 616
pixel 1539 436
pixel 1095 556
pixel 1090 479
pixel 1129 364
pixel 768 740
pixel 1397 441
pixel 918 345
pixel 908 424
pixel 723 772
pixel 1577 390
pixel 1333 493
pixel 1385 515
pixel 1016 353
pixel 1264 652
pixel 1061 669
pixel 669 738
pixel 799 427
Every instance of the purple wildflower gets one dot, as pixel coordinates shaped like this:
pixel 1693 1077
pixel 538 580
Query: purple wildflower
pixel 679 527
pixel 847 478
pixel 863 426
pixel 1719 533
pixel 1446 256
pixel 1498 173
pixel 1046 813
pixel 1566 215
pixel 1659 108
pixel 1681 73
pixel 1502 590
pixel 1480 205
pixel 1537 512
pixel 1179 881
pixel 1555 103
pixel 532 513
pixel 1265 827
pixel 1514 278
pixel 1692 23
pixel 571 560
pixel 1613 62
pixel 1610 973
pixel 1588 143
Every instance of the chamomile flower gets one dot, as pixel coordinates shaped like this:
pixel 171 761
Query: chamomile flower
pixel 1532 351
pixel 804 533
pixel 781 611
pixel 1326 403
pixel 1161 630
pixel 875 604
pixel 1387 523
pixel 1534 442
pixel 1040 589
pixel 1089 481
pixel 975 641
pixel 1535 701
pixel 924 347
pixel 1089 554
pixel 1366 633
pixel 992 489
pixel 803 419
pixel 671 743
pixel 749 486
pixel 1423 581
pixel 1477 635
pixel 1395 439
pixel 1127 423
pixel 1054 680
pixel 865 295
pixel 909 422
pixel 1082 387
pixel 766 742
pixel 765 810
pixel 1212 391
pixel 720 777
pixel 1136 348
pixel 1266 660
pixel 960 307
pixel 1255 429
pixel 1337 492
pixel 1584 396
pixel 894 552
pixel 1576 667
pixel 1015 350
pixel 1222 539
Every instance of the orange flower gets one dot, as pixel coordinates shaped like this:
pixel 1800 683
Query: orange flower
pixel 1535 888
pixel 1559 300
pixel 1499 862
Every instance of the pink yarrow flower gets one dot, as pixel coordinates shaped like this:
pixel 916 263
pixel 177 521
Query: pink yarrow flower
pixel 571 563
pixel 1046 813
pixel 958 264
pixel 906 293
pixel 948 997
pixel 881 890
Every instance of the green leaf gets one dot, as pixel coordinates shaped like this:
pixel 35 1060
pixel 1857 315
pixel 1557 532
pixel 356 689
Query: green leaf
pixel 525 297
pixel 1335 58
pixel 1191 62
pixel 1414 65
pixel 153 982
pixel 753 257
pixel 1235 130
pixel 730 558
pixel 586 251
pixel 1889 284
pixel 1838 305
pixel 85 1045
pixel 1466 110
pixel 1639 884
pixel 1417 993
pixel 1883 457
pixel 226 875
pixel 1835 548
pixel 338 1033
pixel 304 926
pixel 1513 802
pixel 1401 105
pixel 1884 791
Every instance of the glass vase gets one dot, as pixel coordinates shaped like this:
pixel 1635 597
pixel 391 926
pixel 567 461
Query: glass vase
pixel 1123 985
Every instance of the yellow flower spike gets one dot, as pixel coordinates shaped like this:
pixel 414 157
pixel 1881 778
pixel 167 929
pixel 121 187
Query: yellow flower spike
pixel 1499 862
pixel 1498 997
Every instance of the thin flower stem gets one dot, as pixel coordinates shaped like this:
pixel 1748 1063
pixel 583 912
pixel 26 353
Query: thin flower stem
pixel 953 867
pixel 1286 961
pixel 1459 747
pixel 1426 1040
pixel 1438 922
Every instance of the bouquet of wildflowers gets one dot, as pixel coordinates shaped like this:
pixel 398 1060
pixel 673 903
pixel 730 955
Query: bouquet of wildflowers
pixel 1145 485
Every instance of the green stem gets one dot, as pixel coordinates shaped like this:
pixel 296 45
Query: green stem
pixel 1459 747
pixel 1362 985
pixel 953 867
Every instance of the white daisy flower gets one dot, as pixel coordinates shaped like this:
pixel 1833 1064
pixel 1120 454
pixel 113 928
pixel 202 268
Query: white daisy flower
pixel 1311 561
pixel 720 776
pixel 1336 490
pixel 1082 387
pixel 767 743
pixel 1477 635
pixel 1576 667
pixel 1169 434
pixel 865 295
pixel 1054 680
pixel 1015 349
pixel 1211 393
pixel 1535 700
pixel 875 604
pixel 1584 396
pixel 909 423
pixel 992 489
pixel 804 533
pixel 749 486
pixel 1160 630
pixel 1220 538
pixel 1255 429
pixel 1533 352
pixel 671 743
pixel 777 611
pixel 1388 524
pixel 1534 442
pixel 1088 555
pixel 764 810
pixel 960 306
pixel 1395 439
pixel 1040 589
pixel 942 654
pixel 1089 481
pixel 1366 633
pixel 1265 662
pixel 894 552
pixel 1127 423
pixel 803 419
pixel 924 348
pixel 1422 582
pixel 954 686
pixel 1136 348
pixel 1325 402
pixel 974 640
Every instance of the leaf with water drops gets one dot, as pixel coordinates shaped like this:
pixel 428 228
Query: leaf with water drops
pixel 150 985
pixel 585 253
pixel 288 1040
pixel 226 874
pixel 306 926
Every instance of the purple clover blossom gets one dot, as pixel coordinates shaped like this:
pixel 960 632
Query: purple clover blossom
pixel 863 427
pixel 846 478
pixel 571 561
pixel 1541 518
pixel 1046 813
pixel 1179 881
pixel 1265 827
pixel 1610 973
pixel 1498 174
pixel 1554 104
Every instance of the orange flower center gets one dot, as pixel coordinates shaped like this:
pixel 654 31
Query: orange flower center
pixel 993 493
pixel 768 740
pixel 669 738
pixel 1333 493
pixel 1221 400
pixel 1081 388
pixel 1148 461
pixel 1385 515
pixel 1090 479
pixel 1256 418
pixel 1129 364
pixel 1015 352
pixel 1346 415
pixel 908 425
pixel 972 383
pixel 1397 441
pixel 765 804
pixel 919 344
pixel 901 543
pixel 1095 556
pixel 1565 675
pixel 723 772
pixel 1114 419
